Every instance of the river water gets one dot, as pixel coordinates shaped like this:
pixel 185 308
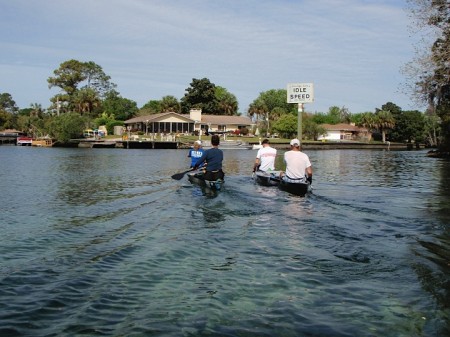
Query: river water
pixel 102 242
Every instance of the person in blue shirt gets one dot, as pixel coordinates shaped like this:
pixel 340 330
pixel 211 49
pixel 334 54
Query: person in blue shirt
pixel 196 152
pixel 213 158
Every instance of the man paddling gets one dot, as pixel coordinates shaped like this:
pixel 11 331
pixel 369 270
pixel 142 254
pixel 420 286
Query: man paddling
pixel 265 158
pixel 213 158
pixel 298 166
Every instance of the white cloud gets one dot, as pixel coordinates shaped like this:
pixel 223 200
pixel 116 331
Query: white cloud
pixel 351 50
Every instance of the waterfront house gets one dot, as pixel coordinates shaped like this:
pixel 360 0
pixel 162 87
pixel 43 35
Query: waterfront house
pixel 195 121
pixel 345 132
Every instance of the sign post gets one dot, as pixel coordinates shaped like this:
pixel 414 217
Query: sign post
pixel 300 93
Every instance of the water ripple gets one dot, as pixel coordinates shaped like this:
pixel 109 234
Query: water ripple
pixel 109 245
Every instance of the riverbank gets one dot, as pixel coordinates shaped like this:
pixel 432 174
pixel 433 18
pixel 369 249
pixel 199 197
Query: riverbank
pixel 276 143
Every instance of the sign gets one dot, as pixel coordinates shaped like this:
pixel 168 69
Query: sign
pixel 300 93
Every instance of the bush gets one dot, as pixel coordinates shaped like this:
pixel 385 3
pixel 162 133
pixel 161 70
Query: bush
pixel 111 124
pixel 67 126
pixel 244 131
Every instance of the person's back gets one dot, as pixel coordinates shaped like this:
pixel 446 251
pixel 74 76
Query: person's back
pixel 298 166
pixel 265 158
pixel 213 158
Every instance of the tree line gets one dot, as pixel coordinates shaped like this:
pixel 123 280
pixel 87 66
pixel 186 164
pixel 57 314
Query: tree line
pixel 88 98
pixel 429 72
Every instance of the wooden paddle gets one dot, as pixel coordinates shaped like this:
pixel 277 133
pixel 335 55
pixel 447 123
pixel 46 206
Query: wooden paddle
pixel 179 176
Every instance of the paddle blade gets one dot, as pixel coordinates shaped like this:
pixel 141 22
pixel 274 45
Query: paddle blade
pixel 179 176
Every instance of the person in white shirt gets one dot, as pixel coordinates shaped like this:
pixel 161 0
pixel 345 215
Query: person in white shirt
pixel 265 158
pixel 298 166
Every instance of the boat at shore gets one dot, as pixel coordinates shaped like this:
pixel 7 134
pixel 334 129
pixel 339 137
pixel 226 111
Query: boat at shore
pixel 24 141
pixel 43 142
pixel 272 178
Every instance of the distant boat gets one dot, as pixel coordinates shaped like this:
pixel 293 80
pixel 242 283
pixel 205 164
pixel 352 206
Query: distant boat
pixel 43 142
pixel 24 141
pixel 257 146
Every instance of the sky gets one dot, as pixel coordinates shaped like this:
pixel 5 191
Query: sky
pixel 352 51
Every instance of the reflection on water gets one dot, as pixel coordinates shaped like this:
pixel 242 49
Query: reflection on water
pixel 103 242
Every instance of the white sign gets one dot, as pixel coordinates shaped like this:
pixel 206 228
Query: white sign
pixel 300 93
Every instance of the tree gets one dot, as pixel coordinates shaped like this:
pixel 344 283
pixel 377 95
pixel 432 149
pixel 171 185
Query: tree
pixel 170 104
pixel 67 126
pixel 227 103
pixel 286 125
pixel 7 103
pixel 411 125
pixel 432 129
pixel 394 109
pixel 7 120
pixel 344 115
pixel 271 105
pixel 86 100
pixel 84 84
pixel 258 109
pixel 429 72
pixel 321 118
pixel 383 122
pixel 335 115
pixel 151 107
pixel 36 110
pixel 368 121
pixel 121 108
pixel 200 94
pixel 312 130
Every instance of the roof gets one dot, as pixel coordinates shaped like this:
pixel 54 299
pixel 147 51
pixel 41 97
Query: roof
pixel 152 117
pixel 206 119
pixel 225 119
pixel 343 127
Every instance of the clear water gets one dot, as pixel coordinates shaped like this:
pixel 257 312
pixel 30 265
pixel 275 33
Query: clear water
pixel 102 242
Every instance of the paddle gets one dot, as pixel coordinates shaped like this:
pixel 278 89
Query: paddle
pixel 179 176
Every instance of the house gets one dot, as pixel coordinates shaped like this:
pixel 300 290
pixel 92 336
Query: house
pixel 195 121
pixel 342 131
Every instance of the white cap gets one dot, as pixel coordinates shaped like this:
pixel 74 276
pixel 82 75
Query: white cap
pixel 199 142
pixel 295 142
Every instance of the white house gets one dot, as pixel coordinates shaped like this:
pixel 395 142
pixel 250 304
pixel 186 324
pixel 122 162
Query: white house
pixel 174 123
pixel 342 131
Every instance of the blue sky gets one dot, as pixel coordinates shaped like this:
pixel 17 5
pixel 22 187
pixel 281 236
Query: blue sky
pixel 351 50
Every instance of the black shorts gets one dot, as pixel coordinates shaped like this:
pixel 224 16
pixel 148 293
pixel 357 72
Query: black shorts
pixel 214 175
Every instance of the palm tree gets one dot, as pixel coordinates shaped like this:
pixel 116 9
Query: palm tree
pixel 258 109
pixel 368 121
pixel 384 121
pixel 36 110
pixel 86 100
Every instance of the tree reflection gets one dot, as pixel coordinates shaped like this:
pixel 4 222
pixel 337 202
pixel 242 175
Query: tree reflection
pixel 434 272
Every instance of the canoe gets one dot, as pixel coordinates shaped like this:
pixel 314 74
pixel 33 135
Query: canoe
pixel 273 179
pixel 294 188
pixel 196 177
